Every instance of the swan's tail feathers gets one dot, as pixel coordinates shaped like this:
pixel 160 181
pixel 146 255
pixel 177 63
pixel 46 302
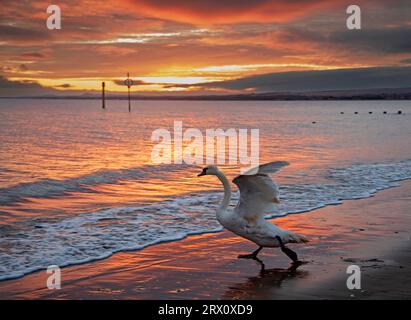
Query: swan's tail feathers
pixel 297 238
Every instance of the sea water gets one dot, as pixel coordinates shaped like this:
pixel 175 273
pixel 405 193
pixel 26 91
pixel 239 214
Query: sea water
pixel 77 182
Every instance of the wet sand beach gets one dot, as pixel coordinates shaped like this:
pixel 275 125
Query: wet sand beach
pixel 372 233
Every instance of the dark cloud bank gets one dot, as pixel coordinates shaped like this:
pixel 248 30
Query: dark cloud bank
pixel 306 81
pixel 15 88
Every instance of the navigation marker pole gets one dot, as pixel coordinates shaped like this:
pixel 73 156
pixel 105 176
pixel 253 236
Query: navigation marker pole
pixel 103 97
pixel 128 82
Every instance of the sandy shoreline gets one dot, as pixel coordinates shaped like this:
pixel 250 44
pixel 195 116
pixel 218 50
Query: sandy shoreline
pixel 372 233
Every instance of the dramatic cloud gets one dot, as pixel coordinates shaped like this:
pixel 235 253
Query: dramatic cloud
pixel 13 88
pixel 406 61
pixel 229 11
pixel 33 55
pixel 177 45
pixel 23 67
pixel 300 81
pixel 382 40
pixel 64 86
pixel 22 34
pixel 388 40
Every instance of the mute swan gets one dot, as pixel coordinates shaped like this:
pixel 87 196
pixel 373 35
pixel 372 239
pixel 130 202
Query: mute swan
pixel 258 195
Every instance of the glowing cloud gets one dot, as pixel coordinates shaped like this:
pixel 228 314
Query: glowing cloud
pixel 228 11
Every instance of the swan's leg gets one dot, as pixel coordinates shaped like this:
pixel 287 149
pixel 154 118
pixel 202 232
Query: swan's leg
pixel 262 265
pixel 251 255
pixel 290 253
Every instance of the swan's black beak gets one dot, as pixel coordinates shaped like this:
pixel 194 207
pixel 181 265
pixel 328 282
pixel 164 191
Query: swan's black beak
pixel 203 173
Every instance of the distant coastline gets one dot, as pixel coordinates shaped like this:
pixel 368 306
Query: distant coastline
pixel 371 94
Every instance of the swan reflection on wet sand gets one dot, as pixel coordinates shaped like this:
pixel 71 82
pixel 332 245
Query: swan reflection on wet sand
pixel 265 283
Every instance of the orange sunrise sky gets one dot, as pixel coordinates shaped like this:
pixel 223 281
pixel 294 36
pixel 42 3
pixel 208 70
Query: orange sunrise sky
pixel 191 46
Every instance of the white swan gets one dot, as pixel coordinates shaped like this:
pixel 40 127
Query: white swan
pixel 258 195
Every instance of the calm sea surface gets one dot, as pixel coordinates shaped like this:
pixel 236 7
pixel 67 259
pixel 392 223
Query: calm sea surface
pixel 77 182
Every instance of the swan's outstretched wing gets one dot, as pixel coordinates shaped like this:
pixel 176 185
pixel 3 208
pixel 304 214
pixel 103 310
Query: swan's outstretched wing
pixel 258 193
pixel 271 167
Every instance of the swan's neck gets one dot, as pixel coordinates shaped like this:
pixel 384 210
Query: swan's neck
pixel 227 193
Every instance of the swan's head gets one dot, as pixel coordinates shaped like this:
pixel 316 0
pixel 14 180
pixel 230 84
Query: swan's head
pixel 209 170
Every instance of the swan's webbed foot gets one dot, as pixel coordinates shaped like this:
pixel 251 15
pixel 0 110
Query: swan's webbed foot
pixel 290 253
pixel 251 255
pixel 294 266
pixel 262 265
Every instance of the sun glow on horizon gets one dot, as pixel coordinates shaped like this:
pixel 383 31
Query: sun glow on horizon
pixel 149 83
pixel 186 79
